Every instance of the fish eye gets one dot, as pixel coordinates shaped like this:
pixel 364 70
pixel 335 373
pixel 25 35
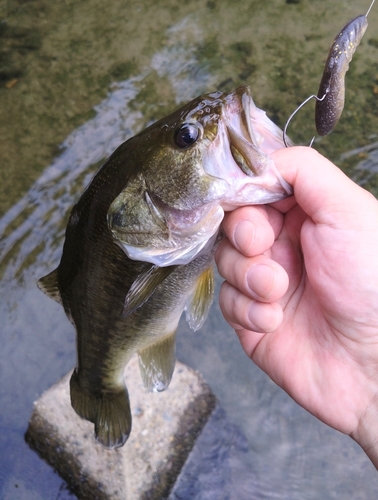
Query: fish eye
pixel 187 135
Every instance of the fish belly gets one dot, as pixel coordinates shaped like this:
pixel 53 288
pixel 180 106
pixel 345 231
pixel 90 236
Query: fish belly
pixel 98 391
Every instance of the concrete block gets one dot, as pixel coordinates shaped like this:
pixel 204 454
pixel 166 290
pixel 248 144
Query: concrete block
pixel 165 427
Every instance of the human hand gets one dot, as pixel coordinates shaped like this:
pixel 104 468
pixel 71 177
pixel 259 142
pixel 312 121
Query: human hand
pixel 308 316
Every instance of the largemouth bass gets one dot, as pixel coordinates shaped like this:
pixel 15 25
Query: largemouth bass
pixel 139 245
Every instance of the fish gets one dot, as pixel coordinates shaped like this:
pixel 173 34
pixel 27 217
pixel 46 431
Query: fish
pixel 139 245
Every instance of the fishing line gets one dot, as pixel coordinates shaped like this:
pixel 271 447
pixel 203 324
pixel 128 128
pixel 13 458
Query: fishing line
pixel 331 93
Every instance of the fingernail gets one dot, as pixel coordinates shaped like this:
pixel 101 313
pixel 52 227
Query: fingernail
pixel 244 235
pixel 260 279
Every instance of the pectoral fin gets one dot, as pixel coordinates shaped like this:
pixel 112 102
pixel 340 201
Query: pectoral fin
pixel 49 285
pixel 157 362
pixel 144 286
pixel 199 303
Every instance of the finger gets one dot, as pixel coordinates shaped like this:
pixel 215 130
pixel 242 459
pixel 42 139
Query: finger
pixel 259 277
pixel 252 230
pixel 315 181
pixel 248 314
pixel 285 205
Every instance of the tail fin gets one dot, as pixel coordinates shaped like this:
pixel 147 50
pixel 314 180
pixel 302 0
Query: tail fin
pixel 109 411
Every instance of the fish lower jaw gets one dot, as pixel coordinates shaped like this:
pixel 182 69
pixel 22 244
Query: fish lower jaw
pixel 182 254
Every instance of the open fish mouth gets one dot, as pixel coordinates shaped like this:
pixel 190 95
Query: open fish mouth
pixel 227 166
pixel 242 139
pixel 239 128
pixel 246 137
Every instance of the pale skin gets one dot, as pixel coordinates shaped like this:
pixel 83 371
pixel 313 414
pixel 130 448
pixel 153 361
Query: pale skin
pixel 301 292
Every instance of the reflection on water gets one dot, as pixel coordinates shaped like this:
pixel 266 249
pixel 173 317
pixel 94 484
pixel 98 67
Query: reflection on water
pixel 37 215
pixel 291 455
pixel 38 342
pixel 366 170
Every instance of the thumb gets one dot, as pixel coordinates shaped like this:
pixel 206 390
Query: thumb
pixel 322 190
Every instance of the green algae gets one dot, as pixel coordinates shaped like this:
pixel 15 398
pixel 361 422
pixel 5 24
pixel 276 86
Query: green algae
pixel 59 59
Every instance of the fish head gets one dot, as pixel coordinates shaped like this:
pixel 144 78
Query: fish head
pixel 208 157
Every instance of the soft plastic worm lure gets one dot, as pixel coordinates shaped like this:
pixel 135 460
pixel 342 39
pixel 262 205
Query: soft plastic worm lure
pixel 331 94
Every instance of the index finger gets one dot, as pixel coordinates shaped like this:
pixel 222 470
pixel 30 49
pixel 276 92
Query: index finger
pixel 252 229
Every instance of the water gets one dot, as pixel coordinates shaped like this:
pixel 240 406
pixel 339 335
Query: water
pixel 179 52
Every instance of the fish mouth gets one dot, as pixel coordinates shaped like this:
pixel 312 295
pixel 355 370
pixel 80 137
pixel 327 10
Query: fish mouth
pixel 240 131
pixel 252 136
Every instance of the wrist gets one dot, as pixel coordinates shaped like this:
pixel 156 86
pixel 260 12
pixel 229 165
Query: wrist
pixel 366 434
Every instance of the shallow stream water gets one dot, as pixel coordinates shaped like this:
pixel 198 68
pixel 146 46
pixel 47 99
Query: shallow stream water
pixel 84 76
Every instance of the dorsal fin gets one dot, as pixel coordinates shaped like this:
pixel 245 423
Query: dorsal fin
pixel 49 285
pixel 200 301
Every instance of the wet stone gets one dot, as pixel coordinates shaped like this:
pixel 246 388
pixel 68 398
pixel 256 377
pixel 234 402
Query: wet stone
pixel 165 428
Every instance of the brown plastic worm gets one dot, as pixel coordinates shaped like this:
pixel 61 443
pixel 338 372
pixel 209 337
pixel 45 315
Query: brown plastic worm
pixel 331 93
